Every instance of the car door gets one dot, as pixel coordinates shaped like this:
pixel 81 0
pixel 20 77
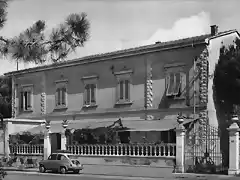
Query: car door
pixel 61 160
pixel 51 162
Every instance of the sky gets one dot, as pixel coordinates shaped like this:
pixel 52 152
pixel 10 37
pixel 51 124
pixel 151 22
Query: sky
pixel 121 24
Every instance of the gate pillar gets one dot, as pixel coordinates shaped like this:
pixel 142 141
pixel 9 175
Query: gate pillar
pixel 63 135
pixel 180 137
pixel 47 141
pixel 234 147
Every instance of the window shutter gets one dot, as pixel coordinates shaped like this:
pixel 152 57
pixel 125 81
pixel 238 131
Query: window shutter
pixel 93 93
pixel 21 100
pixel 64 93
pixel 170 84
pixel 57 96
pixel 25 100
pixel 118 91
pixel 177 84
pixel 127 89
pixel 29 99
pixel 183 83
pixel 121 93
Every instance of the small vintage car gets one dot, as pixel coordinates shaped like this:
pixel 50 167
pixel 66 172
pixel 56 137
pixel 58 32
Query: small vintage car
pixel 62 162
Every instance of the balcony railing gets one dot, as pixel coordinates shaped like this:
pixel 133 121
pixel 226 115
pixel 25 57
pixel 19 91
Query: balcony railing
pixel 26 149
pixel 139 150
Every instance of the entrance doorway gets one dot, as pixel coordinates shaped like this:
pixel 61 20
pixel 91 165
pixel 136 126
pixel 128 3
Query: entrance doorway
pixel 55 142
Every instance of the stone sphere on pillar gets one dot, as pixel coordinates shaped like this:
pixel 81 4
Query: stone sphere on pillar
pixel 65 123
pixel 180 119
pixel 235 118
pixel 47 125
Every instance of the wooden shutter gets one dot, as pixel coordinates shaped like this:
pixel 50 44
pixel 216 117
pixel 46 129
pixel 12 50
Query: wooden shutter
pixel 25 100
pixel 21 100
pixel 63 91
pixel 118 91
pixel 127 89
pixel 177 84
pixel 170 79
pixel 93 93
pixel 121 90
pixel 29 99
pixel 183 89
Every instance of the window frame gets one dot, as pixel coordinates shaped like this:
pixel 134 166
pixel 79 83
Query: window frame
pixel 174 69
pixel 60 85
pixel 28 88
pixel 123 76
pixel 89 81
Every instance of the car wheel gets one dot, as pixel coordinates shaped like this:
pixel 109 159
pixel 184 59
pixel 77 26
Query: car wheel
pixel 42 169
pixel 76 171
pixel 63 170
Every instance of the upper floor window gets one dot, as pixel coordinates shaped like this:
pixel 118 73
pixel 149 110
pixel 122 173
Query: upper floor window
pixel 90 90
pixel 61 94
pixel 175 81
pixel 26 98
pixel 90 94
pixel 123 88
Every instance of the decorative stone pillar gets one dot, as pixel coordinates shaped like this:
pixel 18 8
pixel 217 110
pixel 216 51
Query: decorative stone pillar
pixel 148 90
pixel 14 96
pixel 47 140
pixel 203 83
pixel 234 146
pixel 180 137
pixel 43 103
pixel 63 135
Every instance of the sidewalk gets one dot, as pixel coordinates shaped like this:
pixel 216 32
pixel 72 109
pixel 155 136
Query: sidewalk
pixel 132 172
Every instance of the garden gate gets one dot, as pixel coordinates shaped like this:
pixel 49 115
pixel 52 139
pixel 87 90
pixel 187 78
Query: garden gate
pixel 202 149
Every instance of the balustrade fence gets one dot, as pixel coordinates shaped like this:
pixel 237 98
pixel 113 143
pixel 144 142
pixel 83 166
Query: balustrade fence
pixel 141 150
pixel 26 149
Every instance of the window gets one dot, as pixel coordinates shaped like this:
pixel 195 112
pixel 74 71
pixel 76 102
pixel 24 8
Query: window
pixel 61 157
pixel 52 157
pixel 61 94
pixel 123 88
pixel 90 90
pixel 175 83
pixel 26 98
pixel 90 94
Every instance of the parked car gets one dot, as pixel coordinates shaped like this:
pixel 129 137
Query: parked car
pixel 62 162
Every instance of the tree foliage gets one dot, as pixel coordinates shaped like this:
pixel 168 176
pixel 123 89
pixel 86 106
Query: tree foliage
pixel 33 45
pixel 5 96
pixel 227 76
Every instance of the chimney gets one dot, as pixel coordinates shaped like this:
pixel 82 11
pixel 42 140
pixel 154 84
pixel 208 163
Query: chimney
pixel 214 30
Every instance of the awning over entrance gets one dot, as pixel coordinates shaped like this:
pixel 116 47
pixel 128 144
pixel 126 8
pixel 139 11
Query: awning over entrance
pixel 165 124
pixel 55 128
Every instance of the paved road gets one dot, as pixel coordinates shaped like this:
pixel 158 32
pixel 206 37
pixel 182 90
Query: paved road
pixel 47 176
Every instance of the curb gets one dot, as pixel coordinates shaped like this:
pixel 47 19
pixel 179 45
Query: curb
pixel 97 176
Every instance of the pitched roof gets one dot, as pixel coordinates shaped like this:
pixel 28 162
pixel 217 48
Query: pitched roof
pixel 141 49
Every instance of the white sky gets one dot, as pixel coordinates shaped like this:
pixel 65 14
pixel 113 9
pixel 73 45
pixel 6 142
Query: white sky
pixel 119 24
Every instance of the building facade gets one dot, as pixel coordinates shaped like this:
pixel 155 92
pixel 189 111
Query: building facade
pixel 146 87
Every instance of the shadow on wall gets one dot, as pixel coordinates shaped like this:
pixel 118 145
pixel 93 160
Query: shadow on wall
pixel 164 103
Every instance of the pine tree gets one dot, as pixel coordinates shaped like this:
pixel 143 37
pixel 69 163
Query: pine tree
pixel 33 45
